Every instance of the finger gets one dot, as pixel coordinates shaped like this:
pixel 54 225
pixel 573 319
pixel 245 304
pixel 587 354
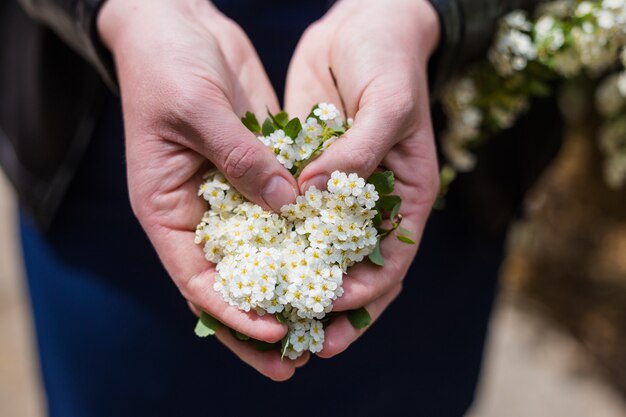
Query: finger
pixel 366 282
pixel 340 333
pixel 250 166
pixel 250 89
pixel 383 119
pixel 302 360
pixel 308 82
pixel 269 363
pixel 195 276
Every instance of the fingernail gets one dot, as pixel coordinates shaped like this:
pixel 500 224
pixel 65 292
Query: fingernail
pixel 278 192
pixel 320 182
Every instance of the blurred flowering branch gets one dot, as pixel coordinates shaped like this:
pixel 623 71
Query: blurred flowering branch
pixel 568 40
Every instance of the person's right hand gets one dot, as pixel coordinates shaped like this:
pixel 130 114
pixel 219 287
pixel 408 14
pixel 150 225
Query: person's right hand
pixel 186 72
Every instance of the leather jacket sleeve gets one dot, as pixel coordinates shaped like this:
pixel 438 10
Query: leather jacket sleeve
pixel 74 21
pixel 467 27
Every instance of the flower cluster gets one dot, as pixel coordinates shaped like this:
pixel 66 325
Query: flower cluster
pixel 566 39
pixel 292 264
pixel 514 47
pixel 294 146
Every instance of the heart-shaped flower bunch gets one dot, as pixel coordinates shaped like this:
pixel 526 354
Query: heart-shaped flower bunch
pixel 292 264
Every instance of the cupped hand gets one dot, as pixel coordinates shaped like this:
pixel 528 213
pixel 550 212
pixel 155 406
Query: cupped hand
pixel 186 75
pixel 378 51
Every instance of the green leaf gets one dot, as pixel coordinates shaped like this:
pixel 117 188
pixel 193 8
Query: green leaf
pixel 284 344
pixel 279 119
pixel 263 346
pixel 250 121
pixel 447 175
pixel 404 231
pixel 280 318
pixel 282 118
pixel 241 336
pixel 376 256
pixel 405 239
pixel 395 210
pixel 312 114
pixel 207 325
pixel 293 128
pixel 383 181
pixel 202 331
pixel 389 202
pixel 268 127
pixel 328 317
pixel 359 318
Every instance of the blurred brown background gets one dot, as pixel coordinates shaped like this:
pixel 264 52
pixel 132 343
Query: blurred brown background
pixel 558 336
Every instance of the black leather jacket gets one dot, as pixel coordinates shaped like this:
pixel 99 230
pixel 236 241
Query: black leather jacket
pixel 54 74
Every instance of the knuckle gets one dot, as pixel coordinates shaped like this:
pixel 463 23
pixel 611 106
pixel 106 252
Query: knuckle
pixel 399 107
pixel 239 160
pixel 312 30
pixel 364 160
pixel 187 105
pixel 356 296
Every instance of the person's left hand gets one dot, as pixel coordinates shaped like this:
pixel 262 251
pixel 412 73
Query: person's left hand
pixel 379 52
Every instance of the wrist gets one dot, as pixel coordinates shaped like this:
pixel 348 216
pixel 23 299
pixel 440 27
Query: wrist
pixel 111 20
pixel 420 15
pixel 121 22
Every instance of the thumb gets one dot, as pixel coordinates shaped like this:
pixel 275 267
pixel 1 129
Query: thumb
pixel 247 163
pixel 360 150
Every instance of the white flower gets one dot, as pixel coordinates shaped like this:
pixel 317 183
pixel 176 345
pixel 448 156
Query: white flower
pixel 615 171
pixel 610 95
pixel 613 4
pixel 265 140
pixel 518 20
pixel 462 159
pixel 472 117
pixel 329 142
pixel 287 156
pixel 584 8
pixel 368 197
pixel 337 181
pixel 354 185
pixel 312 128
pixel 279 140
pixel 314 197
pixel 326 111
pixel 328 216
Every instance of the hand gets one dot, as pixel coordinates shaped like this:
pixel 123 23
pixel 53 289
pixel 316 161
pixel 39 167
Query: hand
pixel 378 51
pixel 186 72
